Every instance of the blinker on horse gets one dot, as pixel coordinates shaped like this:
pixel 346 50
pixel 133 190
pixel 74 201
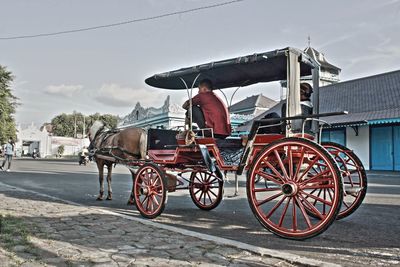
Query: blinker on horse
pixel 112 146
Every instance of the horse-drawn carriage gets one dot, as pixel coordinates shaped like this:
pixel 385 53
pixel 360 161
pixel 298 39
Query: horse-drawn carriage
pixel 296 185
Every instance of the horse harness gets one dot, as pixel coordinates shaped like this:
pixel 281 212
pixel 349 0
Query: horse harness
pixel 108 150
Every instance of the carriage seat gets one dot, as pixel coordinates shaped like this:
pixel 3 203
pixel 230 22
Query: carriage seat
pixel 161 139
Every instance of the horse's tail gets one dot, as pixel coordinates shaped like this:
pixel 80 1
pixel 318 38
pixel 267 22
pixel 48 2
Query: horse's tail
pixel 143 144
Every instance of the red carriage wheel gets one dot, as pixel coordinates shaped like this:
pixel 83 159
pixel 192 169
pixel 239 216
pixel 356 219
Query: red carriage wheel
pixel 294 169
pixel 150 190
pixel 354 177
pixel 206 189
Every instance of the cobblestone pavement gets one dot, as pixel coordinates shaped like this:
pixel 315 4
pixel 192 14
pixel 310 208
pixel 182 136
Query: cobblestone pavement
pixel 61 234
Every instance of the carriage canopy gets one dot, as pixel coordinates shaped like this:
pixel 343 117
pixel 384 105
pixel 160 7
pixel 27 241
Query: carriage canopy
pixel 235 72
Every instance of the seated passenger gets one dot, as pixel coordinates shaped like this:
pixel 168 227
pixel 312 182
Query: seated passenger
pixel 306 109
pixel 209 111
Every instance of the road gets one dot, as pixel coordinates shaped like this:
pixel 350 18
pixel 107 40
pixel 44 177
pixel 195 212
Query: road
pixel 370 236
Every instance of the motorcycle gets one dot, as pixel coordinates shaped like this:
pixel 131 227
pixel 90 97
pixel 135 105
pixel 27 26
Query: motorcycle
pixel 83 159
pixel 35 155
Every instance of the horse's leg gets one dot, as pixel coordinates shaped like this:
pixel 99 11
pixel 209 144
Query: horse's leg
pixel 109 169
pixel 100 167
pixel 131 200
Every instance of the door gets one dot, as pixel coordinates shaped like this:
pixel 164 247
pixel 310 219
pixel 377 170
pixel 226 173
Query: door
pixel 382 148
pixel 396 147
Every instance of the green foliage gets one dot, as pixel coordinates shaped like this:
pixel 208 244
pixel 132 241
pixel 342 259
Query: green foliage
pixel 64 124
pixel 8 103
pixel 61 150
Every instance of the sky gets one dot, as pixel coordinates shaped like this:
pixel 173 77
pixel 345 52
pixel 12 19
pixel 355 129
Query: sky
pixel 104 70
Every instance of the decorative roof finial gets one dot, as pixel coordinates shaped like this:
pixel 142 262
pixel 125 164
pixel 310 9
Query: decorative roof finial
pixel 309 41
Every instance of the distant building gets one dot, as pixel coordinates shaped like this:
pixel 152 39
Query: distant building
pixel 32 138
pixel 166 117
pixel 329 73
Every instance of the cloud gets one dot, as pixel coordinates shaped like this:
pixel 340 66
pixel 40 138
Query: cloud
pixel 63 90
pixel 118 96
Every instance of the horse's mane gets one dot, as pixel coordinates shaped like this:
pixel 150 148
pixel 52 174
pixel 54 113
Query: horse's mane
pixel 96 126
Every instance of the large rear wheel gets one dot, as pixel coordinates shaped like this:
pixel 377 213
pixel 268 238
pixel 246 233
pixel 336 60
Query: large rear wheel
pixel 354 177
pixel 294 170
pixel 150 190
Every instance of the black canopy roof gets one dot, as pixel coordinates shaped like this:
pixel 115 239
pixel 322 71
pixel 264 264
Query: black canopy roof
pixel 235 72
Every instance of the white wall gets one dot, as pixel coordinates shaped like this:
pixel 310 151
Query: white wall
pixel 359 144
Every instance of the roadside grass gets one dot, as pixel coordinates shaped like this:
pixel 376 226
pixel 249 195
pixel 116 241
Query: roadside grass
pixel 14 237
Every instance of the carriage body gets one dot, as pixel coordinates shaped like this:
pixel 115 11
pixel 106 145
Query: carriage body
pixel 295 185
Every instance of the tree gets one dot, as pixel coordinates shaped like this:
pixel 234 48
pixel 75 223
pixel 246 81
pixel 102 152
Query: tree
pixel 8 104
pixel 76 123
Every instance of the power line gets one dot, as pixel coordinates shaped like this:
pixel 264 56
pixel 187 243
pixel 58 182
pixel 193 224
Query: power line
pixel 122 22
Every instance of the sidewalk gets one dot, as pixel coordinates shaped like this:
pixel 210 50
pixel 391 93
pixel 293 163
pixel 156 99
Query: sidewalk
pixel 40 231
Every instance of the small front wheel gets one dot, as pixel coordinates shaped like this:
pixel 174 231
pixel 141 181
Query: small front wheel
pixel 206 189
pixel 150 190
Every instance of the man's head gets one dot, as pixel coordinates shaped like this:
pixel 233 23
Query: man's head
pixel 205 85
pixel 305 91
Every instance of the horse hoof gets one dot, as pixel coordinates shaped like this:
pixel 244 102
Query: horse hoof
pixel 109 198
pixel 99 198
pixel 131 203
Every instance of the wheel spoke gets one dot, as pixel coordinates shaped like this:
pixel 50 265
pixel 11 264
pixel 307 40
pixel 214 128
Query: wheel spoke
pixel 269 165
pixel 201 195
pixel 155 200
pixel 312 208
pixel 275 207
pixel 211 182
pixel 344 203
pixel 284 212
pixel 209 197
pixel 299 164
pixel 294 216
pixel 215 195
pixel 144 199
pixel 303 212
pixel 268 177
pixel 318 198
pixel 256 190
pixel 147 203
pixel 269 199
pixel 278 157
pixel 318 186
pixel 290 163
pixel 315 177
pixel 308 168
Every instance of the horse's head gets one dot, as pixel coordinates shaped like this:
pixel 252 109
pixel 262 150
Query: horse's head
pixel 94 129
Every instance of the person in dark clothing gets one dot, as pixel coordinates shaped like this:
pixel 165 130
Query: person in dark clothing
pixel 306 109
pixel 209 111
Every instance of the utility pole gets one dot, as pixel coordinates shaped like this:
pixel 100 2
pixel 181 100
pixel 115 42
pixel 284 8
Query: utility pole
pixel 74 124
pixel 84 127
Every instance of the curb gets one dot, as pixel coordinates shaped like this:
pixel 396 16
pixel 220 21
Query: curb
pixel 289 257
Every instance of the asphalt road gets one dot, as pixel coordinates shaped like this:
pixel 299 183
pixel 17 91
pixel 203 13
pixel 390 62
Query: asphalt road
pixel 370 236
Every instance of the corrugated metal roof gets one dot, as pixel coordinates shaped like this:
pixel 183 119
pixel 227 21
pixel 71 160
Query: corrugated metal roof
pixel 252 102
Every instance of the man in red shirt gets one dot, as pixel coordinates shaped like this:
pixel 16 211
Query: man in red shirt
pixel 209 111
